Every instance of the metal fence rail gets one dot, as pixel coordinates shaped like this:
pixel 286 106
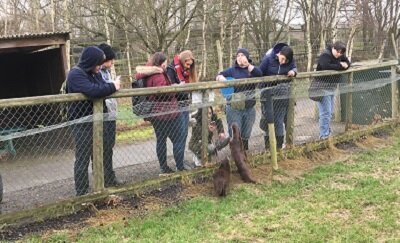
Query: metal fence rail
pixel 37 145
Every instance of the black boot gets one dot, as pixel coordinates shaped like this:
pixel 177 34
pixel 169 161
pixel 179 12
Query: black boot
pixel 245 144
pixel 266 142
pixel 279 142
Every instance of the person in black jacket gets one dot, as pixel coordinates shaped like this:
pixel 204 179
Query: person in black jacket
pixel 323 88
pixel 85 78
pixel 278 60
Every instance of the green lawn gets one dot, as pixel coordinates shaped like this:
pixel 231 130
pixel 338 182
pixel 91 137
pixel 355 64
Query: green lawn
pixel 131 126
pixel 350 201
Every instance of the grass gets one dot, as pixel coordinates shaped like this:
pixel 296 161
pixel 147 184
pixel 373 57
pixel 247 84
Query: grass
pixel 356 200
pixel 132 126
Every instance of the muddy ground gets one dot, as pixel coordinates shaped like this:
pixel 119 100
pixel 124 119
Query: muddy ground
pixel 121 208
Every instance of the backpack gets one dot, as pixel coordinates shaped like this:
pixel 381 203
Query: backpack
pixel 141 106
pixel 64 90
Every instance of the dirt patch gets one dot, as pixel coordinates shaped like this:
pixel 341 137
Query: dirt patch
pixel 121 208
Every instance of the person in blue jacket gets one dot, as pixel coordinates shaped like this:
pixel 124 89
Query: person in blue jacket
pixel 86 79
pixel 240 108
pixel 277 61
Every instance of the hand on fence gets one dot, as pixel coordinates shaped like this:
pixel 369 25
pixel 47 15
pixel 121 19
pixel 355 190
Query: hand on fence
pixel 117 83
pixel 344 65
pixel 291 73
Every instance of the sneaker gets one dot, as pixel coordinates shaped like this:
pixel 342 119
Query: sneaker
pixel 166 171
pixel 113 183
pixel 183 169
pixel 197 161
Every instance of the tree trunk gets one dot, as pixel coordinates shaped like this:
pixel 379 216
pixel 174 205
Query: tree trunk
pixel 52 15
pixel 308 36
pixel 67 27
pixel 334 20
pixel 203 68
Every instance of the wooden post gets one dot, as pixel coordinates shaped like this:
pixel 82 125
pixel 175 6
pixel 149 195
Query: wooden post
pixel 98 171
pixel 395 93
pixel 290 114
pixel 349 102
pixel 204 128
pixel 272 145
pixel 269 115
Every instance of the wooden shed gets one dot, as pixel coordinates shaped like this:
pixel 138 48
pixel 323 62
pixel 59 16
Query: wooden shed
pixel 32 64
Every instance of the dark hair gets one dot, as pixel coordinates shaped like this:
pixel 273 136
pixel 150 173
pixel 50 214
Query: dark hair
pixel 158 58
pixel 288 53
pixel 108 51
pixel 339 47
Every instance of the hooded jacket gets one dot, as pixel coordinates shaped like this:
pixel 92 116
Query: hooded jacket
pixel 238 72
pixel 83 80
pixel 270 64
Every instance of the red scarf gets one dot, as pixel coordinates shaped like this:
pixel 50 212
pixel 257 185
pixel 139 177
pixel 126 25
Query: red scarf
pixel 183 75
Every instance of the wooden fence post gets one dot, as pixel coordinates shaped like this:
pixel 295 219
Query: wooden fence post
pixel 349 102
pixel 395 93
pixel 98 171
pixel 204 128
pixel 290 114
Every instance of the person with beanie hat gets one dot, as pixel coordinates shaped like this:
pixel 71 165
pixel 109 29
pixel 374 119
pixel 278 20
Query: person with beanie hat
pixel 240 108
pixel 277 61
pixel 110 119
pixel 85 78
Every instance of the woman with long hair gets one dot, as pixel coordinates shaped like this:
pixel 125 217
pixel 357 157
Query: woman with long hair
pixel 166 119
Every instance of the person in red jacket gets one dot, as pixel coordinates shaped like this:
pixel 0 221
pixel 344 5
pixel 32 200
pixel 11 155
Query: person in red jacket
pixel 165 116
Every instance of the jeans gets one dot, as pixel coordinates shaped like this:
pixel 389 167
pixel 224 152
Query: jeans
pixel 325 107
pixel 171 129
pixel 185 124
pixel 83 136
pixel 280 104
pixel 244 118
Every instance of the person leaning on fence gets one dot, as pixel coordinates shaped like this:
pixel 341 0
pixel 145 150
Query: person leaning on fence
pixel 322 89
pixel 110 119
pixel 240 108
pixel 214 125
pixel 182 70
pixel 277 61
pixel 166 119
pixel 87 80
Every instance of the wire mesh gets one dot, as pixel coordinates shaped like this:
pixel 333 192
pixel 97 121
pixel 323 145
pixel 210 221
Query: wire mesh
pixel 39 148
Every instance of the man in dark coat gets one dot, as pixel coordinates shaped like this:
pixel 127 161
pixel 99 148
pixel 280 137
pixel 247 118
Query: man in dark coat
pixel 332 58
pixel 85 78
pixel 277 61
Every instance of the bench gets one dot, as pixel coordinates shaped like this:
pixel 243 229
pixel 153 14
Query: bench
pixel 8 146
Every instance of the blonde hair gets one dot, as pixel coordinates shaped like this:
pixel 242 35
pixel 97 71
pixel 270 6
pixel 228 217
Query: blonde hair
pixel 187 54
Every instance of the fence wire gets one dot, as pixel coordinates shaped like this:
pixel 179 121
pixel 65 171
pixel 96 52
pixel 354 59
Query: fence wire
pixel 40 146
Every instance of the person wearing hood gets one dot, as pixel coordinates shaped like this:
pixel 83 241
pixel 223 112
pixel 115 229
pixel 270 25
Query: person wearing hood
pixel 322 89
pixel 240 108
pixel 277 61
pixel 85 78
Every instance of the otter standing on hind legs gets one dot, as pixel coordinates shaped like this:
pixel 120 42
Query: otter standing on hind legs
pixel 239 155
pixel 222 178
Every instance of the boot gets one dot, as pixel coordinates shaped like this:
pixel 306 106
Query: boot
pixel 245 144
pixel 279 142
pixel 266 142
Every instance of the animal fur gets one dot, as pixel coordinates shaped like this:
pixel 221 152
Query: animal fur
pixel 222 178
pixel 239 155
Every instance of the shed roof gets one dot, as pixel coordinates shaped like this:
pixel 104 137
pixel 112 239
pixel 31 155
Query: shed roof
pixel 29 42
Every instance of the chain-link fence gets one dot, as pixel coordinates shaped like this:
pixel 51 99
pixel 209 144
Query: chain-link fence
pixel 46 156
